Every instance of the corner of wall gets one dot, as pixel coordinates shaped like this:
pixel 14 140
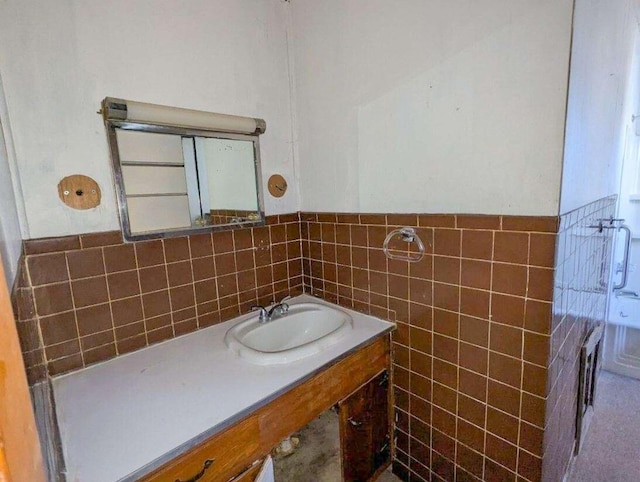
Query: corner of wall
pixel 13 226
pixel 7 138
pixel 293 104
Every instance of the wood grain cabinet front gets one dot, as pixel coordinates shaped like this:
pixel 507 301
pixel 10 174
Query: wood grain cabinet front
pixel 357 383
pixel 217 460
pixel 365 431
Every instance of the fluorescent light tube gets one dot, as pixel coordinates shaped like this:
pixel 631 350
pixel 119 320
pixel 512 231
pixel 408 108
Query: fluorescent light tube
pixel 131 111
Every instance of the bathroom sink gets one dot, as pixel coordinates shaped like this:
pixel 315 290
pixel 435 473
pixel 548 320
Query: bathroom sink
pixel 305 330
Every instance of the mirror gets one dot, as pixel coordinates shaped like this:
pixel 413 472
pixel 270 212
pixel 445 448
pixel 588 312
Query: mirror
pixel 174 181
pixel 230 193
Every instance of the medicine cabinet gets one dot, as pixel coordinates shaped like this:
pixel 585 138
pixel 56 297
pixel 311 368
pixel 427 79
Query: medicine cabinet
pixel 179 171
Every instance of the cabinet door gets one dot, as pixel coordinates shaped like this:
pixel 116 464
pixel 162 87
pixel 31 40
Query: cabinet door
pixel 364 430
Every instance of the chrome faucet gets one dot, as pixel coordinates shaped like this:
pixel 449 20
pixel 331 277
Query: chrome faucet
pixel 278 309
pixel 263 317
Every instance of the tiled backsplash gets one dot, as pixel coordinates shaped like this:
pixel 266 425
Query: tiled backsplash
pixel 88 298
pixel 580 299
pixel 471 349
pixel 485 377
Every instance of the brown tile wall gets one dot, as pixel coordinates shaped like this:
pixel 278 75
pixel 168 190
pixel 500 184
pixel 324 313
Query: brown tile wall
pixel 485 376
pixel 84 299
pixel 472 344
pixel 580 298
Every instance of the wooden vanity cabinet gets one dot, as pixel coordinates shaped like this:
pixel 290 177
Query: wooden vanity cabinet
pixel 365 439
pixel 357 384
pixel 220 458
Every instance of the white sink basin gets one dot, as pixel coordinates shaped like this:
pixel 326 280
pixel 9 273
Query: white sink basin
pixel 305 330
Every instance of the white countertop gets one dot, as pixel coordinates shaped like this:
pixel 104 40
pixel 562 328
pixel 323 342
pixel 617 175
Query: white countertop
pixel 122 418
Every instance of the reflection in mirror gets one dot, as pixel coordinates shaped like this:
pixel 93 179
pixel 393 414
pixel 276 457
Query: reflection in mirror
pixel 171 181
pixel 230 194
pixel 155 181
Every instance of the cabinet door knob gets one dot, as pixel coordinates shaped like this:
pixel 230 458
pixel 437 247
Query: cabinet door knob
pixel 207 463
pixel 353 422
pixel 384 381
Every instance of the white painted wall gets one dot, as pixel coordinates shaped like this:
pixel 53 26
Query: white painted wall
pixel 230 171
pixel 59 59
pixel 10 235
pixel 603 94
pixel 10 238
pixel 431 106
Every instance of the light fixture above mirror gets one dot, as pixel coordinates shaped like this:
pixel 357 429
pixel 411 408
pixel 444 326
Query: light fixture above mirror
pixel 142 112
pixel 182 171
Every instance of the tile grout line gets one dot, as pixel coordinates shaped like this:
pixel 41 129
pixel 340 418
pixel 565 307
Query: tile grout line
pixel 193 282
pixel 523 366
pixel 486 412
pixel 166 273
pixel 459 320
pixel 144 315
pixel 26 272
pixel 235 269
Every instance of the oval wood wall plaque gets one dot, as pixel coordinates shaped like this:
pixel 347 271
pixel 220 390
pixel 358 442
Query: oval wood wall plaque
pixel 79 192
pixel 277 185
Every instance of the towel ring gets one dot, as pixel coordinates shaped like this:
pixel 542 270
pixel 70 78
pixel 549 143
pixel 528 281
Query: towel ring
pixel 410 236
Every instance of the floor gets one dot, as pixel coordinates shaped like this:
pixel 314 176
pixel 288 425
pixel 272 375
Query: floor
pixel 317 457
pixel 611 451
pixel 387 476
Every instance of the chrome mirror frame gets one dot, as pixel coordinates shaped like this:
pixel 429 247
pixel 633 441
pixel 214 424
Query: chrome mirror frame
pixel 112 125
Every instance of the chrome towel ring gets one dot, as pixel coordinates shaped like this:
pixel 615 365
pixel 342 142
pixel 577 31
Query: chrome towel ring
pixel 410 236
